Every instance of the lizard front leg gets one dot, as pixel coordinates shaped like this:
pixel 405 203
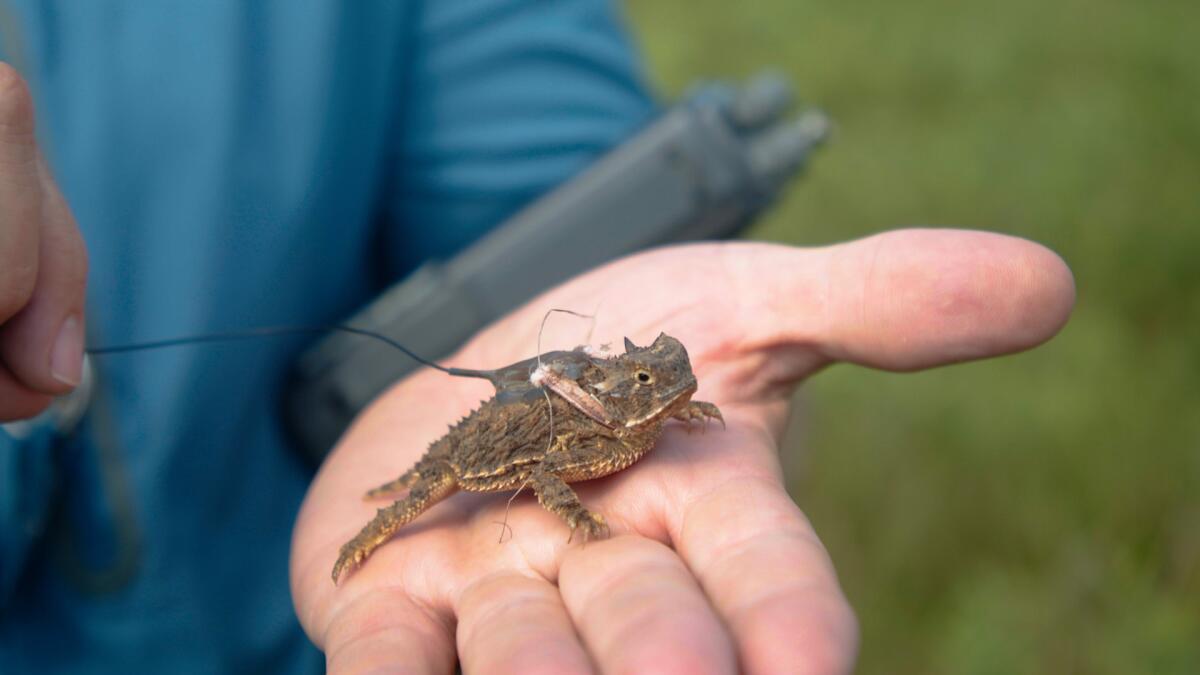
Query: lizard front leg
pixel 584 459
pixel 433 486
pixel 699 410
pixel 557 497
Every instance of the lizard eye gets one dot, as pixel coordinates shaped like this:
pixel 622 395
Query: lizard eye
pixel 644 377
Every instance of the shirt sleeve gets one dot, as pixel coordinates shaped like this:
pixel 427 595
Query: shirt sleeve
pixel 27 474
pixel 505 99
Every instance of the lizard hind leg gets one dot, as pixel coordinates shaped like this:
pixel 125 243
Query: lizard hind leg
pixel 429 465
pixel 430 489
pixel 395 487
pixel 557 497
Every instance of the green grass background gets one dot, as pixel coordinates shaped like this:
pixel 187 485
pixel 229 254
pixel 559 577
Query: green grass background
pixel 1037 513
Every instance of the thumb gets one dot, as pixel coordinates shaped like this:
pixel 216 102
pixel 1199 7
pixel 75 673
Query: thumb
pixel 904 300
pixel 43 263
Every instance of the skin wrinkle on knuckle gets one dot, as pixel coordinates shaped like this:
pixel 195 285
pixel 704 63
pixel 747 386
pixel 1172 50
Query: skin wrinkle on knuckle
pixel 422 593
pixel 632 588
pixel 346 616
pixel 683 658
pixel 826 337
pixel 814 586
pixel 790 524
pixel 637 612
pixel 342 633
pixel 511 599
pixel 338 652
pixel 868 290
pixel 649 557
pixel 521 645
pixel 824 634
pixel 518 605
pixel 868 282
pixel 700 499
pixel 740 547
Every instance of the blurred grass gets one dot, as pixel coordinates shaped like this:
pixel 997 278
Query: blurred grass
pixel 1039 513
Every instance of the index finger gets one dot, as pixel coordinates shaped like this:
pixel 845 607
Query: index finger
pixel 43 261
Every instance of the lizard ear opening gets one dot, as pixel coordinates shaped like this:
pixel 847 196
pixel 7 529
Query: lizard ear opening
pixel 629 346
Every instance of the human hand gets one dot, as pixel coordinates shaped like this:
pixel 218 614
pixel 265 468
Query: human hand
pixel 711 567
pixel 43 268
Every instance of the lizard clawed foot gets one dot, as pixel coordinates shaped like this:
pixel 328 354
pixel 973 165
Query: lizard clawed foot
pixel 702 411
pixel 350 557
pixel 591 524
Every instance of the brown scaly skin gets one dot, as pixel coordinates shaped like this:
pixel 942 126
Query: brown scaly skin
pixel 512 441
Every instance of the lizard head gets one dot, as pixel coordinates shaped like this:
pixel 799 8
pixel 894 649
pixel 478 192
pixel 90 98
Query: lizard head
pixel 645 384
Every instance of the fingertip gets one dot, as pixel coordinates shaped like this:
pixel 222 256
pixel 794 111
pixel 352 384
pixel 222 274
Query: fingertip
pixel 1050 293
pixel 997 294
pixel 66 356
pixel 43 349
pixel 926 297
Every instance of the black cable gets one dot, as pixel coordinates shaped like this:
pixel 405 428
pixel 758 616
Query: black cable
pixel 269 331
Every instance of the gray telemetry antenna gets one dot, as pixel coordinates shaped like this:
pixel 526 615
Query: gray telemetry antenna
pixel 704 169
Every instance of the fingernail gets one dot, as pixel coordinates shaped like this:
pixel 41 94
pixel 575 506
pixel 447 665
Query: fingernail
pixel 66 360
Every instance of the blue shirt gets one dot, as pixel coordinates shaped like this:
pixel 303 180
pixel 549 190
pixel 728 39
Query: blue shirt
pixel 237 164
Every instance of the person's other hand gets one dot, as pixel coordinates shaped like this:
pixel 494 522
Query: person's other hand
pixel 43 268
pixel 711 567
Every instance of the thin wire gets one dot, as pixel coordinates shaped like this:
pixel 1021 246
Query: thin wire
pixel 541 329
pixel 507 507
pixel 270 331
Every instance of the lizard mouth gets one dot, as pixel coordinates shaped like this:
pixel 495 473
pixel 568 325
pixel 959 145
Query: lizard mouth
pixel 673 399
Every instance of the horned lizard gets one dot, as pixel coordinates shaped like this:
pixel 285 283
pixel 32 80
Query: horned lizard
pixel 603 415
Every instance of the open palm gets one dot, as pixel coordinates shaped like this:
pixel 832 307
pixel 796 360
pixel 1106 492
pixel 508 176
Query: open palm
pixel 711 567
